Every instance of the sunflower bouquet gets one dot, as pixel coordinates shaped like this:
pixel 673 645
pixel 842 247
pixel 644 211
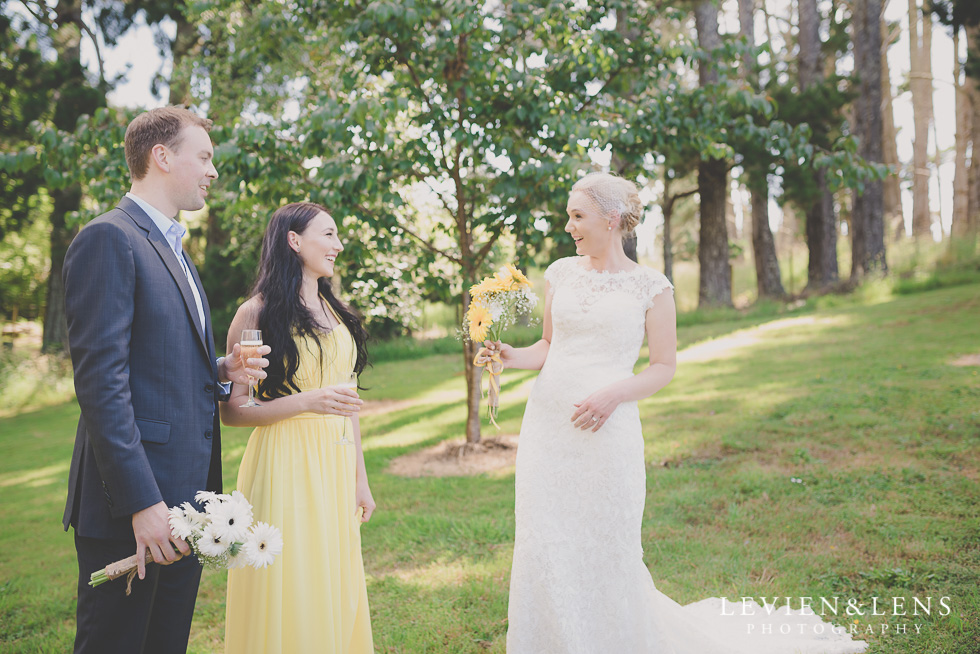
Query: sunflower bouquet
pixel 222 536
pixel 495 304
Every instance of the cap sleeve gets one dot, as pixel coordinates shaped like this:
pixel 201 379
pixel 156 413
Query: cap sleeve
pixel 557 271
pixel 655 283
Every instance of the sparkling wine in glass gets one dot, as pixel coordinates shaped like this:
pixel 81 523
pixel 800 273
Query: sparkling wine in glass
pixel 351 383
pixel 250 344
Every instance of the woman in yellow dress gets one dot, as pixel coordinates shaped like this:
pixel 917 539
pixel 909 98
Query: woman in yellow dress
pixel 303 469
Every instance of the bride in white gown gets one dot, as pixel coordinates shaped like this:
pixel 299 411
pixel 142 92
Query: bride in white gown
pixel 578 583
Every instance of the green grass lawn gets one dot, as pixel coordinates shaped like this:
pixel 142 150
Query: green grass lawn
pixel 827 452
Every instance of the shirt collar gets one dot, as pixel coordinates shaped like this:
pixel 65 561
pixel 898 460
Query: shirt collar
pixel 163 223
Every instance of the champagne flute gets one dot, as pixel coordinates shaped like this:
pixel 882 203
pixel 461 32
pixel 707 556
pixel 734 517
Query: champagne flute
pixel 250 343
pixel 351 383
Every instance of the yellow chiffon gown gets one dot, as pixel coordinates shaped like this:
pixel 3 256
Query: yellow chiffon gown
pixel 313 599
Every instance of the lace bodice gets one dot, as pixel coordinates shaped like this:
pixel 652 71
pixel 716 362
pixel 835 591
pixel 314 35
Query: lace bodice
pixel 598 318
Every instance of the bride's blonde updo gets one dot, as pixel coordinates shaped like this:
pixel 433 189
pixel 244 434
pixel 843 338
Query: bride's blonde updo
pixel 612 194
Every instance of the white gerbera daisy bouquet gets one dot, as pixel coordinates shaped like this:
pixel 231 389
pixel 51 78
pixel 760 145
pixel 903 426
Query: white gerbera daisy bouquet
pixel 222 536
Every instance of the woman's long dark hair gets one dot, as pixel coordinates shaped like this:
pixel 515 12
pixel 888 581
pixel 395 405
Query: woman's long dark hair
pixel 283 315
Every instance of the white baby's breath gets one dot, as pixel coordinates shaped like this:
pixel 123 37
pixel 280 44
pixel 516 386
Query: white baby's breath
pixel 264 544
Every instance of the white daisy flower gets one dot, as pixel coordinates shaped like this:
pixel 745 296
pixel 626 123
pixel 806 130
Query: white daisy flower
pixel 230 520
pixel 196 517
pixel 181 525
pixel 239 499
pixel 211 543
pixel 205 497
pixel 264 544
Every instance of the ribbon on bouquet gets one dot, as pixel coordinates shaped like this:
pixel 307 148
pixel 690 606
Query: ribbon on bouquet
pixel 492 364
pixel 126 567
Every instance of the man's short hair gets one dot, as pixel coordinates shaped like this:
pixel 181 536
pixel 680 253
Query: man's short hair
pixel 156 126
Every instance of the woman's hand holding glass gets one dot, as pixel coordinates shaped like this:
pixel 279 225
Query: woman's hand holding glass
pixel 340 400
pixel 235 370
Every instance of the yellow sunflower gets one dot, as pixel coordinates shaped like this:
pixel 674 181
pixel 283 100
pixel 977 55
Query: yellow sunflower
pixel 518 276
pixel 487 286
pixel 480 320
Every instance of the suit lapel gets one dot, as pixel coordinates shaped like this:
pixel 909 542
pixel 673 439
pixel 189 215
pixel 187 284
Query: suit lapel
pixel 169 260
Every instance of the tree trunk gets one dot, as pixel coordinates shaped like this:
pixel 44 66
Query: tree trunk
pixel 54 337
pixel 921 84
pixel 894 216
pixel 180 47
pixel 768 280
pixel 821 221
pixel 715 285
pixel 867 215
pixel 472 372
pixel 973 99
pixel 767 277
pixel 667 207
pixel 964 129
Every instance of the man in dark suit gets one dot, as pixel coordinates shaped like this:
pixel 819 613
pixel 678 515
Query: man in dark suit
pixel 147 383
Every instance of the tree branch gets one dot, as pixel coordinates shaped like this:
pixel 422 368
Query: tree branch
pixel 38 17
pixel 485 249
pixel 427 244
pixel 98 49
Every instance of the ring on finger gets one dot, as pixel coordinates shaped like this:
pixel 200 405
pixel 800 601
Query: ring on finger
pixel 595 419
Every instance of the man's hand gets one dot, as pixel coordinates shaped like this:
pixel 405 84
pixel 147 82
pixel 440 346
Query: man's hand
pixel 232 368
pixel 151 526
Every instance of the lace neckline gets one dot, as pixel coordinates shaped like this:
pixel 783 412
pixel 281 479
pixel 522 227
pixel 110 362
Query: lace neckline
pixel 605 273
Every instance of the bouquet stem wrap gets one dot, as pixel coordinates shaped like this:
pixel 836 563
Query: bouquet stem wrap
pixel 127 567
pixel 494 366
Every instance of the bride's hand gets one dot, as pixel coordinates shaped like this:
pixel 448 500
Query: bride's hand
pixel 593 411
pixel 333 400
pixel 495 347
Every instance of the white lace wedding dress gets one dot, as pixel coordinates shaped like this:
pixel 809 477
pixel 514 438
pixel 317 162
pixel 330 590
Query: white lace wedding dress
pixel 578 583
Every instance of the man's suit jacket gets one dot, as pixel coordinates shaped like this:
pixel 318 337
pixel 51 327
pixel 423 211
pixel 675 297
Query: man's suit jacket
pixel 145 376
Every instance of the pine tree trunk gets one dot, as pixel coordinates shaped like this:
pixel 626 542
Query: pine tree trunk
pixel 964 129
pixel 767 277
pixel 715 284
pixel 54 337
pixel 768 280
pixel 821 221
pixel 894 215
pixel 920 46
pixel 867 216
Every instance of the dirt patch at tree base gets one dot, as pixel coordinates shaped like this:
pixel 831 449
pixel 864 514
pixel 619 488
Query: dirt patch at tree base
pixel 457 458
pixel 967 360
